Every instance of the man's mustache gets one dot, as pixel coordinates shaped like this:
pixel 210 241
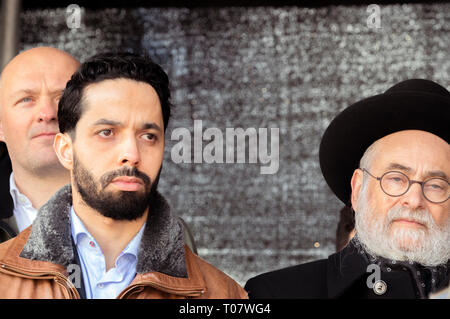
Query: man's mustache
pixel 421 216
pixel 124 171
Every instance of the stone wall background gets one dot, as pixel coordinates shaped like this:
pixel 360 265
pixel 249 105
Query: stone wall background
pixel 290 68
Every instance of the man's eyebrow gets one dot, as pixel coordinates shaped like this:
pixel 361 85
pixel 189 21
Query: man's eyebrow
pixel 37 90
pixel 26 91
pixel 399 166
pixel 145 126
pixel 107 122
pixel 148 126
pixel 435 173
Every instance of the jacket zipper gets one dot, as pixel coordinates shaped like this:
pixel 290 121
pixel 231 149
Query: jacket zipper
pixel 42 275
pixel 187 293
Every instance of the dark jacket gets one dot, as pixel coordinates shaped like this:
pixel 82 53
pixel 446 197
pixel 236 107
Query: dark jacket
pixel 342 275
pixel 35 264
pixel 8 229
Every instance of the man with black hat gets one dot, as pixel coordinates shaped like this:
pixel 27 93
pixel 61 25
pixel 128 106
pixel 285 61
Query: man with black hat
pixel 388 156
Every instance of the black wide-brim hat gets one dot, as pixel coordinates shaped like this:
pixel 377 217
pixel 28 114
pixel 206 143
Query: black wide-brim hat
pixel 415 104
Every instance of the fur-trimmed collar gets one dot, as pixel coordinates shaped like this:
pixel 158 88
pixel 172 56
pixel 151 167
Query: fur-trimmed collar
pixel 161 248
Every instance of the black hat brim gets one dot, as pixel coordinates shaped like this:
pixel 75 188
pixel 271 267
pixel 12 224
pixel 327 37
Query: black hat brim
pixel 361 124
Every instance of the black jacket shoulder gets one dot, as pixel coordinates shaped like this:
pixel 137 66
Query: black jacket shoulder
pixel 302 281
pixel 344 274
pixel 6 201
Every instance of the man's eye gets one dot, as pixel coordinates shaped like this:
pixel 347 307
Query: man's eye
pixel 105 133
pixel 149 137
pixel 26 100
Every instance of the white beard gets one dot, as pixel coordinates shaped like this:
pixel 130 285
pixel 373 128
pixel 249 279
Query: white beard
pixel 428 246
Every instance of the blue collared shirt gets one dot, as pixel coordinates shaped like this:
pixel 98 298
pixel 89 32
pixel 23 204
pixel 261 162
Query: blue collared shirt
pixel 98 283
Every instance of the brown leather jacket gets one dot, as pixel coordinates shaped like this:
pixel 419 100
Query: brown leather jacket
pixel 34 264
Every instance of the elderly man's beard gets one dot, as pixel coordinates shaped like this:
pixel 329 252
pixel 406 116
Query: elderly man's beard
pixel 428 246
pixel 119 205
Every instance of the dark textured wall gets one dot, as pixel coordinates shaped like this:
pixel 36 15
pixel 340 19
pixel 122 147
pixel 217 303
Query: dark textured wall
pixel 289 68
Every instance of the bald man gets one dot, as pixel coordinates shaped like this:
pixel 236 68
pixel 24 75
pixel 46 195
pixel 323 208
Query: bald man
pixel 30 87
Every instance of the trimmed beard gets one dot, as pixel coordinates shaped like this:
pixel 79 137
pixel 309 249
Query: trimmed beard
pixel 119 205
pixel 428 246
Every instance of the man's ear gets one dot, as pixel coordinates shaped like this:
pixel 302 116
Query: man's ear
pixel 356 183
pixel 63 148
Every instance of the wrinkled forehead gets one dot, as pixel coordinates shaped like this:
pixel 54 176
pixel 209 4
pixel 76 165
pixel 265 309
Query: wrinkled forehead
pixel 33 71
pixel 413 148
pixel 32 77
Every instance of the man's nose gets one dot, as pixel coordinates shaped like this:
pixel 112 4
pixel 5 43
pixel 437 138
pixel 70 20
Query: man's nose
pixel 414 198
pixel 129 154
pixel 47 110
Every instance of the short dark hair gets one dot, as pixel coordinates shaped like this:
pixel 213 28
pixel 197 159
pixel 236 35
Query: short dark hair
pixel 108 66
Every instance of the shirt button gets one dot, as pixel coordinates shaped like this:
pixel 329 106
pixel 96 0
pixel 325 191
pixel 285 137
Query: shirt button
pixel 380 287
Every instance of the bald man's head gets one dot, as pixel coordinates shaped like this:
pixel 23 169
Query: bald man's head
pixel 35 61
pixel 30 87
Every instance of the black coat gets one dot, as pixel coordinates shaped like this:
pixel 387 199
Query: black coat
pixel 342 275
pixel 6 201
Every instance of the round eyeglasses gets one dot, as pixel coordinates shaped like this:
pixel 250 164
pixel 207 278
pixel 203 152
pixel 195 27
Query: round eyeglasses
pixel 395 184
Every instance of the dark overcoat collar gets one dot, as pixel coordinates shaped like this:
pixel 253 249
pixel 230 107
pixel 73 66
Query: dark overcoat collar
pixel 343 270
pixel 347 274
